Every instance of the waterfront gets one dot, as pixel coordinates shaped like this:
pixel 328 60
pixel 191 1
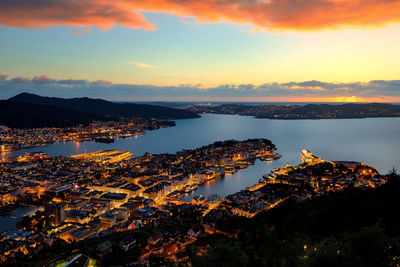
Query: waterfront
pixel 372 141
pixel 91 198
pixel 235 182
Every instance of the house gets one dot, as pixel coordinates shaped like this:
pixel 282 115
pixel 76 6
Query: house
pixel 127 243
pixel 194 232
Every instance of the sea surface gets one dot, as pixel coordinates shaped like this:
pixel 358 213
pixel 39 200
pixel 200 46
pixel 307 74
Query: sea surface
pixel 9 221
pixel 372 141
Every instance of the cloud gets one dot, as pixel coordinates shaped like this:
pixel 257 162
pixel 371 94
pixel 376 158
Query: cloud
pixel 81 32
pixel 311 85
pixel 19 80
pixel 102 82
pixel 42 79
pixel 76 13
pixel 377 90
pixel 141 65
pixel 72 82
pixel 262 14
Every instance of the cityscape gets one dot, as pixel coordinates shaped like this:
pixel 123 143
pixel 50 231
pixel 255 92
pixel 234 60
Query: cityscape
pixel 199 133
pixel 95 195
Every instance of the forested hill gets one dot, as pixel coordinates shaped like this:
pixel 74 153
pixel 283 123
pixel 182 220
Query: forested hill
pixel 106 108
pixel 27 115
pixel 350 228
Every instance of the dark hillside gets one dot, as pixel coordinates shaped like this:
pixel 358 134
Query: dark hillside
pixel 26 115
pixel 107 108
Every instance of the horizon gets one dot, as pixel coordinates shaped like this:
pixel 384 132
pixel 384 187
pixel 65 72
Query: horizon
pixel 213 102
pixel 310 91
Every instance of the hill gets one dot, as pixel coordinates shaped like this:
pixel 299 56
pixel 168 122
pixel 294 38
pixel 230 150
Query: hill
pixel 107 108
pixel 27 115
pixel 344 111
pixel 350 228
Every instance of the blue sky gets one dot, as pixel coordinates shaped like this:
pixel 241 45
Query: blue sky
pixel 198 47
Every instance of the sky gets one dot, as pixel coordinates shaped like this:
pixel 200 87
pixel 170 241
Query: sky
pixel 202 50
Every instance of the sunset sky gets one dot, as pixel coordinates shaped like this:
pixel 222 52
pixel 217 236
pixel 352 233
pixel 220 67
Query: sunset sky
pixel 223 50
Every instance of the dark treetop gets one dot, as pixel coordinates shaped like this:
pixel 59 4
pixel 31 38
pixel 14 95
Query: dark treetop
pixel 26 115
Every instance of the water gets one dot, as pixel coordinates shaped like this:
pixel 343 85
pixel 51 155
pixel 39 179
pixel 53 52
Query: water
pixel 9 221
pixel 233 183
pixel 373 141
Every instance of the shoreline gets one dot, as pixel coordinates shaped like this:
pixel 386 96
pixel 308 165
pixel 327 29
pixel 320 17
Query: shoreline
pixel 45 144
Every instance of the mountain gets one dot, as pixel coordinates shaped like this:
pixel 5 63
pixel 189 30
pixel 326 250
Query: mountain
pixel 107 108
pixel 27 115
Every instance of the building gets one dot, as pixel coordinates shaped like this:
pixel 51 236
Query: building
pixel 55 214
pixel 308 158
pixel 104 248
pixel 58 190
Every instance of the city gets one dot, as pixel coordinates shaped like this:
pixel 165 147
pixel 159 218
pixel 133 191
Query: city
pixel 98 194
pixel 240 133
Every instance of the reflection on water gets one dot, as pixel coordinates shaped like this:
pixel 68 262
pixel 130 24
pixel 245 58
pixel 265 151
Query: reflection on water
pixel 9 221
pixel 232 183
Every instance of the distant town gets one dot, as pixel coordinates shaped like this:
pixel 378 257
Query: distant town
pixel 105 132
pixel 303 111
pixel 124 203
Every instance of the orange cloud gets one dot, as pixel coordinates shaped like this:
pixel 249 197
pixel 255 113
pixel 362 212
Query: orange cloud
pixel 141 65
pixel 81 32
pixel 263 14
pixel 44 13
pixel 299 87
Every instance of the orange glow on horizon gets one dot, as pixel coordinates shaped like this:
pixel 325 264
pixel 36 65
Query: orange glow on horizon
pixel 332 99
